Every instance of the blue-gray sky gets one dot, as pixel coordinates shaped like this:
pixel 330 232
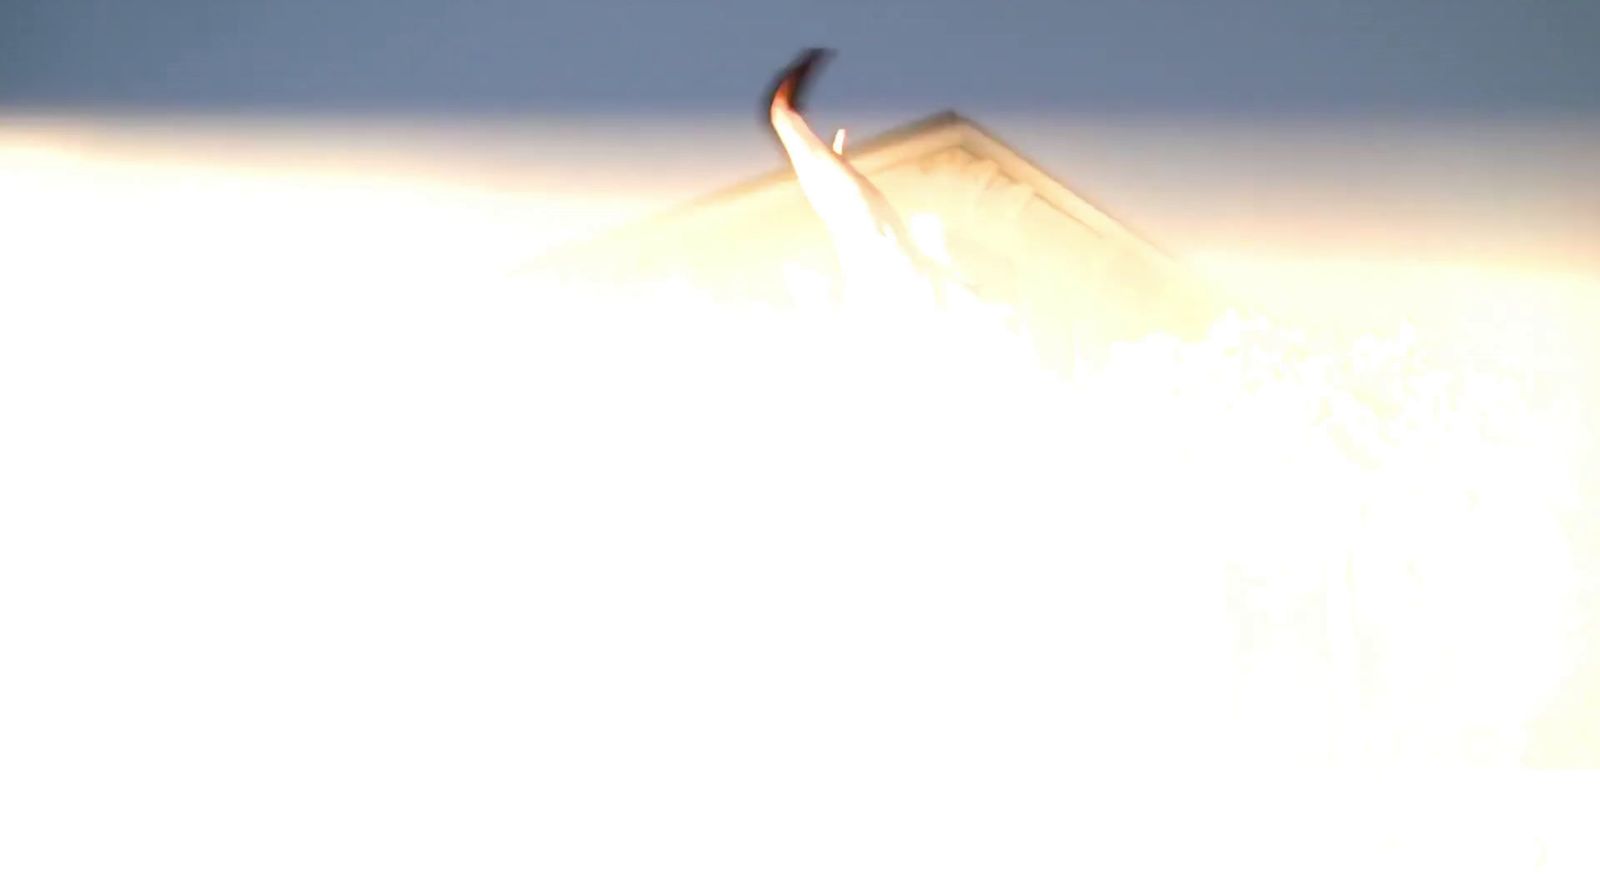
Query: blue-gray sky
pixel 1229 56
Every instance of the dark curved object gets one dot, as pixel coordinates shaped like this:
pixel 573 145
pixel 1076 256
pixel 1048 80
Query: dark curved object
pixel 789 88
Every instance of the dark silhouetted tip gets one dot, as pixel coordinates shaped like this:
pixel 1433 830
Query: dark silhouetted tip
pixel 791 83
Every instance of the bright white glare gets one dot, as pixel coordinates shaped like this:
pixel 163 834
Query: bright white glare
pixel 327 540
pixel 1361 531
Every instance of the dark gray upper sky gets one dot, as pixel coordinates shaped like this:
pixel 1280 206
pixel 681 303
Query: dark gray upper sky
pixel 1226 56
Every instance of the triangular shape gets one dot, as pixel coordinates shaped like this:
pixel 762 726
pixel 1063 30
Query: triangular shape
pixel 1016 234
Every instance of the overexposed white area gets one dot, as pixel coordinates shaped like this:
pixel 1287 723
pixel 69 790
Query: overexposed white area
pixel 336 557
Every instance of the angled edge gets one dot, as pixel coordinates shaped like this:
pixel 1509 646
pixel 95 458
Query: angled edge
pixel 908 142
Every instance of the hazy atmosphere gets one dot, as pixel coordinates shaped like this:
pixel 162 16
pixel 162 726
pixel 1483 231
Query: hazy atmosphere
pixel 348 540
pixel 1462 129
